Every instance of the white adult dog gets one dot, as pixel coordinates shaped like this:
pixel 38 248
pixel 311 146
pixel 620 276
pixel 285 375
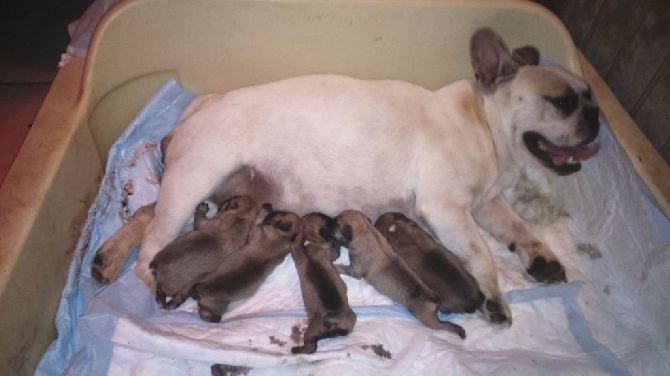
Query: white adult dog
pixel 330 143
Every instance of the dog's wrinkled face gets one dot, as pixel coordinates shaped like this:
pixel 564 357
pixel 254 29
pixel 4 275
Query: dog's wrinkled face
pixel 555 118
pixel 549 113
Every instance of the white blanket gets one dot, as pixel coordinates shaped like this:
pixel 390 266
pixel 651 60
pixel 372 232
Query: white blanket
pixel 612 318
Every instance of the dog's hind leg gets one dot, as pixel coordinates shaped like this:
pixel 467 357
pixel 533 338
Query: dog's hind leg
pixel 499 219
pixel 114 253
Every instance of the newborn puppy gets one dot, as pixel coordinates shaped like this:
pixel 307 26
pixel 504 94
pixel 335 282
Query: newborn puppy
pixel 239 275
pixel 437 267
pixel 373 259
pixel 202 249
pixel 323 291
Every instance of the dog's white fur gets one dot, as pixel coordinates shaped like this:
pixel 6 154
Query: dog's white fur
pixel 330 143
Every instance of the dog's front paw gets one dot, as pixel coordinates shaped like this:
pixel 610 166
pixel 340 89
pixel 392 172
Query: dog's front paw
pixel 547 272
pixel 497 311
pixel 107 264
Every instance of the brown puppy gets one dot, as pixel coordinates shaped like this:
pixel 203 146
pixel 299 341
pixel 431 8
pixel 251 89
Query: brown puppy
pixel 373 259
pixel 323 291
pixel 239 275
pixel 437 267
pixel 202 249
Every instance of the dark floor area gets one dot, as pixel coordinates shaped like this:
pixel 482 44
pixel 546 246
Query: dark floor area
pixel 34 34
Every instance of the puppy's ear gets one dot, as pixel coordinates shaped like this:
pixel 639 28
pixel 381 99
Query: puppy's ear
pixel 491 59
pixel 263 214
pixel 284 225
pixel 343 235
pixel 527 55
pixel 224 205
pixel 400 217
pixel 328 231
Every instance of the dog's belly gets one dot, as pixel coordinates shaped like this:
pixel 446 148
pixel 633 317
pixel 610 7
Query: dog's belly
pixel 332 197
pixel 290 191
pixel 328 144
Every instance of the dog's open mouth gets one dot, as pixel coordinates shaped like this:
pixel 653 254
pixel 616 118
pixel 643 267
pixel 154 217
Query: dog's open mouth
pixel 563 160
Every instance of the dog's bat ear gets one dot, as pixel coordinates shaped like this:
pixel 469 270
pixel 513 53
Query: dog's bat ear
pixel 490 57
pixel 527 55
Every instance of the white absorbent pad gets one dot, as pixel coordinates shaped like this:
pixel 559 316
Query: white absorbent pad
pixel 611 318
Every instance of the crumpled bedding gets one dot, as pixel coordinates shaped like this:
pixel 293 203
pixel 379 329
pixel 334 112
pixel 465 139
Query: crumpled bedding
pixel 81 30
pixel 611 318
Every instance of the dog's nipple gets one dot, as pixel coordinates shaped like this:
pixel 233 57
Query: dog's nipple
pixel 392 228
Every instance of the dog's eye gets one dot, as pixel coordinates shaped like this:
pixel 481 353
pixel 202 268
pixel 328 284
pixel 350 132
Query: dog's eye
pixel 567 104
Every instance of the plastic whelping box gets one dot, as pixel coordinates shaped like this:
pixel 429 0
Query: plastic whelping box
pixel 209 46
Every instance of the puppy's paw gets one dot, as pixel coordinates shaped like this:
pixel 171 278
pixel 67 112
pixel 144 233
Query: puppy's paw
pixel 307 348
pixel 209 316
pixel 547 272
pixel 497 311
pixel 107 264
pixel 202 207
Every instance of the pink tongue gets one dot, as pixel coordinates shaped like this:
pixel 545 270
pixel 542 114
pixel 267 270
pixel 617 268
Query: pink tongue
pixel 560 154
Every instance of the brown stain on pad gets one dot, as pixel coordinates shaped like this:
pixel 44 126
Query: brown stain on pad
pixel 378 350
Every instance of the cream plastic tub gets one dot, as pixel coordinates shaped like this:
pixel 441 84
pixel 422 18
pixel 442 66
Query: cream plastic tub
pixel 219 45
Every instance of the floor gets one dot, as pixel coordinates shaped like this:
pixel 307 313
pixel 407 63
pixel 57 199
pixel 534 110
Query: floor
pixel 22 91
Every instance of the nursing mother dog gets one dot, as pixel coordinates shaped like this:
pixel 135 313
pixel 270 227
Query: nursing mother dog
pixel 331 143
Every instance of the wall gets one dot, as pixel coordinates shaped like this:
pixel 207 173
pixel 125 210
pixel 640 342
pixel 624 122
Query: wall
pixel 34 32
pixel 628 42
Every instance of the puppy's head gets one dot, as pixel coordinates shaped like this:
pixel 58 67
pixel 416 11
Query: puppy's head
pixel 238 205
pixel 322 230
pixel 350 224
pixel 548 113
pixel 280 226
pixel 390 219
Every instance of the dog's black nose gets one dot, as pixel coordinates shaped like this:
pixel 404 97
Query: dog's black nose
pixel 591 126
pixel 591 114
